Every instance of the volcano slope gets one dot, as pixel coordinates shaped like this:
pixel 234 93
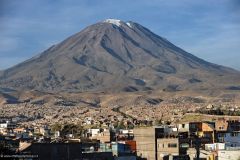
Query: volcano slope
pixel 116 57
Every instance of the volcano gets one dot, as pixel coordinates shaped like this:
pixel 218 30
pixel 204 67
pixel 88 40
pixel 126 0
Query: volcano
pixel 117 56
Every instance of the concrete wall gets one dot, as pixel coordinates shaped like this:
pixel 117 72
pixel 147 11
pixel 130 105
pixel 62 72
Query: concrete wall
pixel 103 136
pixel 214 146
pixel 183 127
pixel 3 125
pixel 203 154
pixel 221 125
pixel 228 155
pixel 145 142
pixel 163 147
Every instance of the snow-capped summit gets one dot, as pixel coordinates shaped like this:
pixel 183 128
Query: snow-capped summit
pixel 116 22
pixel 129 24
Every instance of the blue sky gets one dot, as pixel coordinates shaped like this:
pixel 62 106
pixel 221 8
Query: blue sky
pixel 209 29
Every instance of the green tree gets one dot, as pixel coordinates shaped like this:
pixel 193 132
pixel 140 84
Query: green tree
pixel 56 127
pixel 69 128
pixel 121 125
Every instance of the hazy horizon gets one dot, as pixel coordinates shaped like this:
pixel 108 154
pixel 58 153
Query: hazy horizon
pixel 207 29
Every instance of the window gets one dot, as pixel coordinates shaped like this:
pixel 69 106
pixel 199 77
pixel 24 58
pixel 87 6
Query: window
pixel 234 134
pixel 194 126
pixel 221 135
pixel 172 145
pixel 207 135
pixel 221 139
pixel 184 145
pixel 221 128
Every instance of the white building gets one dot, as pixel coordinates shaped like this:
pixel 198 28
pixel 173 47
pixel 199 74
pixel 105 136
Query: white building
pixel 228 154
pixel 184 127
pixel 88 120
pixel 57 134
pixel 203 154
pixel 214 146
pixel 126 131
pixel 93 132
pixel 4 124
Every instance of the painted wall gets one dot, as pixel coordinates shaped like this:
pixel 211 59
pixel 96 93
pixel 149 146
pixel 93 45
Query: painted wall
pixel 228 155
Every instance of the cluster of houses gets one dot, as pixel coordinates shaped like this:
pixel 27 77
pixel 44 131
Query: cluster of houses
pixel 215 140
pixel 218 140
